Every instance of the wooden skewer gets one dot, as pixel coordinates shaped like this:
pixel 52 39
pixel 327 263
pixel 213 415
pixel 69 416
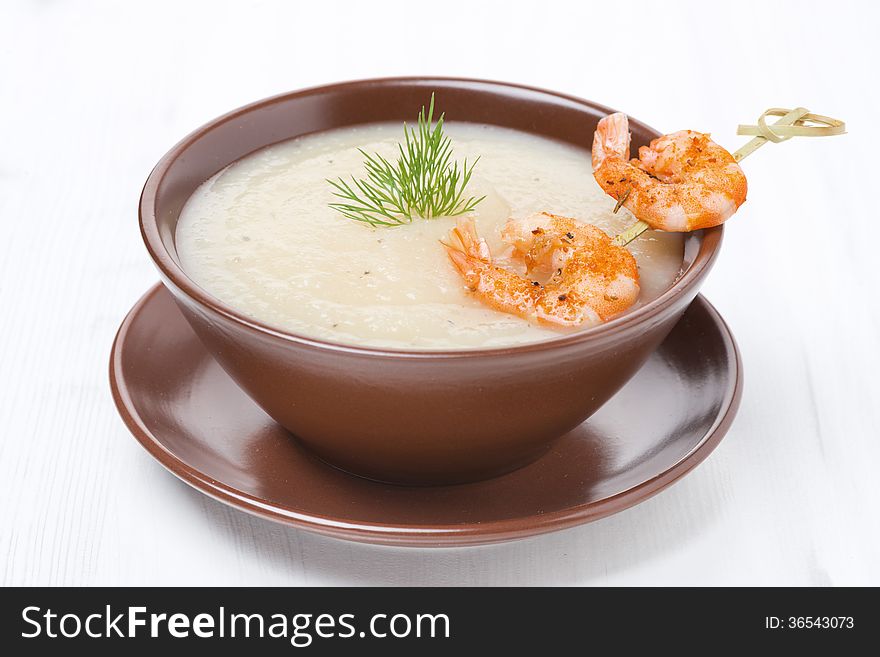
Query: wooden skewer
pixel 797 120
pixel 630 233
pixel 754 144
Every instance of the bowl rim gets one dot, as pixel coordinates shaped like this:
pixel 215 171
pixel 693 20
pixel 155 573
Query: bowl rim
pixel 172 273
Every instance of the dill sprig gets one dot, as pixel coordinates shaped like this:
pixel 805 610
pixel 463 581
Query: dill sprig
pixel 424 182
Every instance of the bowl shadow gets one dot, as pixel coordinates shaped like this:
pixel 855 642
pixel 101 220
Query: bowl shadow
pixel 588 554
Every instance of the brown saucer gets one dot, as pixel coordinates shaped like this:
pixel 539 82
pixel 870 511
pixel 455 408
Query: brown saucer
pixel 189 414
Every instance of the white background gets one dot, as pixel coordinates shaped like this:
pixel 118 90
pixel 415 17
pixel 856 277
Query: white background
pixel 92 94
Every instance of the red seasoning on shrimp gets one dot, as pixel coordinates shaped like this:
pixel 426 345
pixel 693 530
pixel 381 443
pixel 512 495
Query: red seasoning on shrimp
pixel 588 279
pixel 681 182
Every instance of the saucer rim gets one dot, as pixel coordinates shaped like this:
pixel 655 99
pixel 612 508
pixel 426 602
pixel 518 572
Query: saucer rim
pixel 435 535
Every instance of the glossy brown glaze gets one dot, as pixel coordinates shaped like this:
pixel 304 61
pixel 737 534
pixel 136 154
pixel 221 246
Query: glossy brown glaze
pixel 189 415
pixel 409 416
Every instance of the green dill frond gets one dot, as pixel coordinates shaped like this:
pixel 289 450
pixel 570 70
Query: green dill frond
pixel 424 182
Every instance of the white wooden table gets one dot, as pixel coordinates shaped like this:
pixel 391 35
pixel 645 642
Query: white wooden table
pixel 93 93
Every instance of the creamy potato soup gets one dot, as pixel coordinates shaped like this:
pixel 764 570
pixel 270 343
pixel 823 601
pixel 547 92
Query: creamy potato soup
pixel 261 237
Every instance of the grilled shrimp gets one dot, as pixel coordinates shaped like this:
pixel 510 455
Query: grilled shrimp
pixel 680 182
pixel 587 278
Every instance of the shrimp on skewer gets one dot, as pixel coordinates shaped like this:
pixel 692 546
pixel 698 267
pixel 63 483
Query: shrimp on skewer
pixel 680 182
pixel 590 279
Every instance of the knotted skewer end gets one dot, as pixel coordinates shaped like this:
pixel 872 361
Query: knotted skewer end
pixel 798 122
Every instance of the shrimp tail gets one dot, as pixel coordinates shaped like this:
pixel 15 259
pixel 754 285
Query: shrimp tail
pixel 611 139
pixel 466 250
pixel 464 239
pixel 462 262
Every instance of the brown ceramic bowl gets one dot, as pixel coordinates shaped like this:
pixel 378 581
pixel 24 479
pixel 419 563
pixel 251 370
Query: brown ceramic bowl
pixel 414 417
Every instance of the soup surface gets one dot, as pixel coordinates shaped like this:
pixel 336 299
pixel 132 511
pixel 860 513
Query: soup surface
pixel 260 236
